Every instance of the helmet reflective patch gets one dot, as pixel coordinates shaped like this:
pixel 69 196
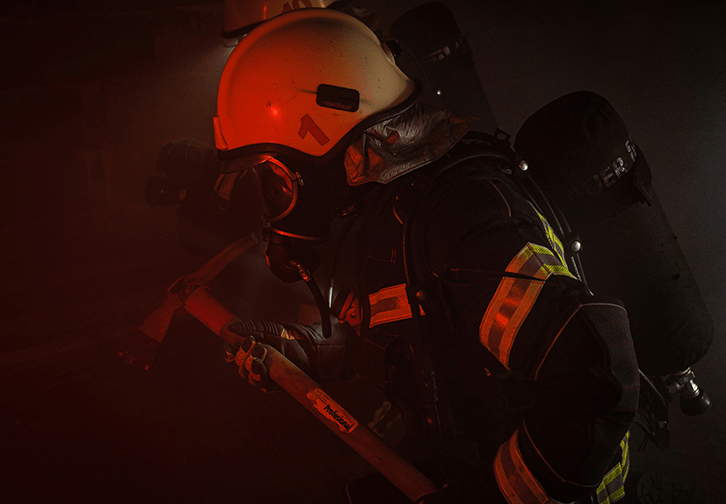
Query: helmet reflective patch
pixel 307 124
pixel 339 98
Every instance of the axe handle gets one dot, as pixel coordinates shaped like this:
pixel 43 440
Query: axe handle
pixel 216 264
pixel 204 307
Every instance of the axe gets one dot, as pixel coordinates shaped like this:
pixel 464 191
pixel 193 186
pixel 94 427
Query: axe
pixel 142 345
pixel 205 308
pixel 191 294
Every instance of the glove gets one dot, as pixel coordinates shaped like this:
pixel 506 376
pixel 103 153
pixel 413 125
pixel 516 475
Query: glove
pixel 249 357
pixel 303 345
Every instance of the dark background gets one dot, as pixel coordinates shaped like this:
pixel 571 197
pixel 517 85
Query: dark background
pixel 90 92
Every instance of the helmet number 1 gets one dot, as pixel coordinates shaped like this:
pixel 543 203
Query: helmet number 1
pixel 307 124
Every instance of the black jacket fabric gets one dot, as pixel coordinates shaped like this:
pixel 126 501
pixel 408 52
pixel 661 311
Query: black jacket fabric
pixel 530 367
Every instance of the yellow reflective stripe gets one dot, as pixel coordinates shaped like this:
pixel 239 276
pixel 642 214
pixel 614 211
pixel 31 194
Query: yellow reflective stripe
pixel 625 460
pixel 609 477
pixel 612 486
pixel 515 480
pixel 390 304
pixel 610 498
pixel 537 261
pixel 515 297
pixel 552 237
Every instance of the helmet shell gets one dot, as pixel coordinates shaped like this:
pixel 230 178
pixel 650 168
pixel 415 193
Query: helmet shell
pixel 240 16
pixel 299 83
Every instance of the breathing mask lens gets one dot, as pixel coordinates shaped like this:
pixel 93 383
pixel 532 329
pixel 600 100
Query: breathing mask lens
pixel 277 187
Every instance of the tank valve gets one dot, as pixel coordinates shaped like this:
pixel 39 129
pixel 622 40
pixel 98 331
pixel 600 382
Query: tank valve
pixel 693 400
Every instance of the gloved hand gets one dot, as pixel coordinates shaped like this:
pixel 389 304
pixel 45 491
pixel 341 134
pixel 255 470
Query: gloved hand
pixel 303 345
pixel 249 357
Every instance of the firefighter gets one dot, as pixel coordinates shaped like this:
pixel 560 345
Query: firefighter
pixel 516 384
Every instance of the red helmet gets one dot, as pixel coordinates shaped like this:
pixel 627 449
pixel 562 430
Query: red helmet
pixel 303 82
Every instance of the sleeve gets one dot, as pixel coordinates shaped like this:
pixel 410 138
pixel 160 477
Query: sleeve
pixel 509 292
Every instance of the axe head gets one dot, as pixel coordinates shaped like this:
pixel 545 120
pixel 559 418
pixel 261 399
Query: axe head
pixel 142 345
pixel 139 349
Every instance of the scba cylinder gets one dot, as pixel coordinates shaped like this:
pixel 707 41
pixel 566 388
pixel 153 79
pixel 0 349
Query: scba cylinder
pixel 581 155
pixel 635 256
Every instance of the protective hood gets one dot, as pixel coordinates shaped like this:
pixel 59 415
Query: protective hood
pixel 389 149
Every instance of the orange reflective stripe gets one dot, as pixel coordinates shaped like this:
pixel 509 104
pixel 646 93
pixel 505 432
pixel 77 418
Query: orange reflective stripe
pixel 390 304
pixel 515 297
pixel 516 482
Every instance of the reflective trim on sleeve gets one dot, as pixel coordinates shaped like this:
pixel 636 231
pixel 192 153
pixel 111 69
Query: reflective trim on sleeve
pixel 612 486
pixel 515 297
pixel 390 304
pixel 552 238
pixel 515 480
pixel 625 461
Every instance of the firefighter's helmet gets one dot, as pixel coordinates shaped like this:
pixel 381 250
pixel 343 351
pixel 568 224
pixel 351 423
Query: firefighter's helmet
pixel 304 83
pixel 240 16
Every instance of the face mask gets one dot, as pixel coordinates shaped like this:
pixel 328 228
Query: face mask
pixel 300 206
pixel 299 209
pixel 290 259
pixel 278 188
